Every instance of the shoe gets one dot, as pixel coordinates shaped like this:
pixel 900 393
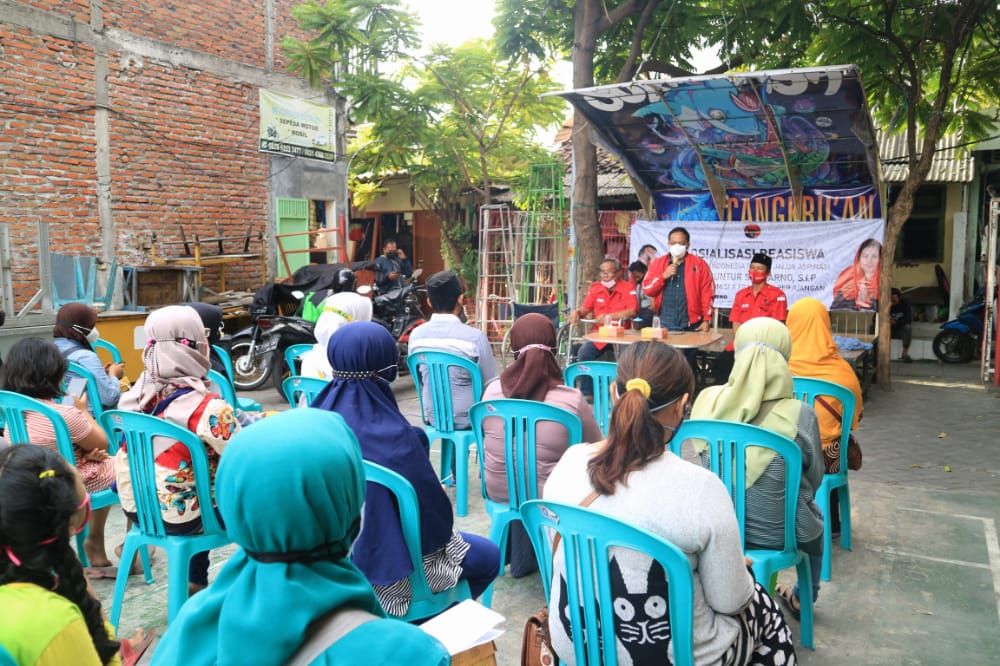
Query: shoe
pixel 906 358
pixel 786 595
pixel 130 656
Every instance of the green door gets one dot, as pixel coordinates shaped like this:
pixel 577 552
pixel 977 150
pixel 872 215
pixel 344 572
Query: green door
pixel 293 217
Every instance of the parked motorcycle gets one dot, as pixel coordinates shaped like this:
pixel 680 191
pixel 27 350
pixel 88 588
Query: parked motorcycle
pixel 959 338
pixel 400 311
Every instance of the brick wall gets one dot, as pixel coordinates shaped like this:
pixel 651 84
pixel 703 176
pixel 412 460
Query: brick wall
pixel 182 139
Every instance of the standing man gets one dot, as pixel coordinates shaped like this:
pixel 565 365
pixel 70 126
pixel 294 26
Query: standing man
pixel 901 322
pixel 760 299
pixel 681 285
pixel 392 268
pixel 446 332
pixel 609 297
pixel 637 272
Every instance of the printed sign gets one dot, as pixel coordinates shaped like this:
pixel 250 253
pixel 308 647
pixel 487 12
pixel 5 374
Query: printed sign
pixel 836 262
pixel 291 126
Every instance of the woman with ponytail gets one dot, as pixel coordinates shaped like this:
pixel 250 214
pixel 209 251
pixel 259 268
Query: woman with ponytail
pixel 633 476
pixel 50 615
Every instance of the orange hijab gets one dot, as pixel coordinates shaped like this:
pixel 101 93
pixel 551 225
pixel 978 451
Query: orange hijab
pixel 849 282
pixel 814 354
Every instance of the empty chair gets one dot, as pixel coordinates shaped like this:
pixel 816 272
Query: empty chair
pixel 455 442
pixel 140 435
pixel 520 427
pixel 293 352
pixel 226 361
pixel 301 391
pixel 602 374
pixel 74 279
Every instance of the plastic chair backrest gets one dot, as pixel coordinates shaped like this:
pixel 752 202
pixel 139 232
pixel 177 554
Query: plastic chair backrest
pixel 423 602
pixel 603 375
pixel 295 388
pixel 227 360
pixel 93 394
pixel 138 432
pixel 222 386
pixel 13 407
pixel 292 352
pixel 69 285
pixel 520 419
pixel 587 538
pixel 110 347
pixel 438 365
pixel 727 445
pixel 808 389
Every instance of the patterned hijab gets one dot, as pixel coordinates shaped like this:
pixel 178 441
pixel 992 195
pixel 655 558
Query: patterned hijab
pixel 287 572
pixel 759 390
pixel 176 354
pixel 338 310
pixel 364 356
pixel 534 370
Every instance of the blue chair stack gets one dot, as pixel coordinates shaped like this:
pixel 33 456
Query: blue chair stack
pixel 454 442
pixel 602 373
pixel 727 445
pixel 587 538
pixel 519 418
pixel 807 390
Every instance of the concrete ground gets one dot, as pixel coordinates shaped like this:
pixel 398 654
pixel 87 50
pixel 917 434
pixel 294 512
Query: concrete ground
pixel 922 585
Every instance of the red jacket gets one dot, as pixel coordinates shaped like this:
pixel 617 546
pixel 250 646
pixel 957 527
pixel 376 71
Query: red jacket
pixel 699 286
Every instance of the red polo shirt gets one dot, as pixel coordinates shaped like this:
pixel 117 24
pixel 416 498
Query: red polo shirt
pixel 769 302
pixel 603 301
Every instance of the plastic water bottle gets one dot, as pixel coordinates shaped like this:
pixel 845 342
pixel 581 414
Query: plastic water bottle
pixel 656 322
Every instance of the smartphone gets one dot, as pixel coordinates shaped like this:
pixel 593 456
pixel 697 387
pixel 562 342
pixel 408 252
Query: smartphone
pixel 76 387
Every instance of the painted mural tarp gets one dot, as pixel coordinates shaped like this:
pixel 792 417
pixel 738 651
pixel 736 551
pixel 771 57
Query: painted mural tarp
pixel 824 260
pixel 292 126
pixel 713 148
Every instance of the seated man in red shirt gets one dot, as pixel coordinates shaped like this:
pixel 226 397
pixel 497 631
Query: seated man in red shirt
pixel 611 297
pixel 760 299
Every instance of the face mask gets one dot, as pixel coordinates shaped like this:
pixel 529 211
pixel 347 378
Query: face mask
pixel 608 284
pixel 757 277
pixel 392 255
pixel 91 336
pixel 677 251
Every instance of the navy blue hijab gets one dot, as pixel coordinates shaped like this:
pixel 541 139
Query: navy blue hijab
pixel 363 356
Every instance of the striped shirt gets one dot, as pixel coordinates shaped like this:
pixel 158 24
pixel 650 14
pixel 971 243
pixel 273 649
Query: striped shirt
pixel 96 475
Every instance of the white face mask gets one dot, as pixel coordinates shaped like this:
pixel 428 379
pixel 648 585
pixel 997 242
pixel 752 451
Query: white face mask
pixel 677 251
pixel 93 335
pixel 608 284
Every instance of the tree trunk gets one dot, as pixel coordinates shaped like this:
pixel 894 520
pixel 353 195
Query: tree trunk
pixel 898 215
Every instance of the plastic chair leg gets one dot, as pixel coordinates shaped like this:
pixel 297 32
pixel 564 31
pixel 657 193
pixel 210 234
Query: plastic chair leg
pixel 845 517
pixel 805 602
pixel 121 580
pixel 447 461
pixel 177 580
pixel 461 479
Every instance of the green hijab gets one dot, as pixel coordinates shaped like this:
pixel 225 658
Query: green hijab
pixel 293 505
pixel 759 390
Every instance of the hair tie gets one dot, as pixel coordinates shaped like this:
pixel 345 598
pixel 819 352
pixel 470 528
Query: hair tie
pixel 11 556
pixel 47 473
pixel 150 342
pixel 534 346
pixel 640 385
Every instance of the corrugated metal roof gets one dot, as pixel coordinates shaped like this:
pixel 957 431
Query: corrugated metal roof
pixel 951 164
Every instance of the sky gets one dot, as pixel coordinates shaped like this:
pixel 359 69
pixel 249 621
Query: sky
pixel 453 22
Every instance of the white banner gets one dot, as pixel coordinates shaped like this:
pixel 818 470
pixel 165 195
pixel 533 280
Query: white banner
pixel 808 257
pixel 292 126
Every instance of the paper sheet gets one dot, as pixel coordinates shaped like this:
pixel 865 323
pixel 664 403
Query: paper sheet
pixel 464 626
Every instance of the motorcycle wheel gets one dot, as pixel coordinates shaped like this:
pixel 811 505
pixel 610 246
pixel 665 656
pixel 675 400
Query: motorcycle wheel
pixel 953 346
pixel 403 349
pixel 248 373
pixel 279 372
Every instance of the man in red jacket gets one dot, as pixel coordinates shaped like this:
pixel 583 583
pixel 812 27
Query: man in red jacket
pixel 681 285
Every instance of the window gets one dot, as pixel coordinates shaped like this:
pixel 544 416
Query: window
pixel 922 238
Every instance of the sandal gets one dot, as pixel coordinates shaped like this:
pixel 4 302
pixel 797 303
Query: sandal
pixel 786 595
pixel 131 656
pixel 96 573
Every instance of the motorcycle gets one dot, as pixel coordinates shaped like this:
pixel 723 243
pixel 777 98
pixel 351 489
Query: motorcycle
pixel 399 311
pixel 959 338
pixel 258 351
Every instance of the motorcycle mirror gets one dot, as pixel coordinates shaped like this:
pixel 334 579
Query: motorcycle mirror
pixel 364 289
pixel 416 274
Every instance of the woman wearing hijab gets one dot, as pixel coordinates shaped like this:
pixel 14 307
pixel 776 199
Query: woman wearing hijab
pixel 296 568
pixel 173 386
pixel 211 319
pixel 759 392
pixel 363 358
pixel 338 310
pixel 534 375
pixel 856 288
pixel 75 333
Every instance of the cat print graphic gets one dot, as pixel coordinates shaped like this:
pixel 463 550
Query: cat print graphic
pixel 642 616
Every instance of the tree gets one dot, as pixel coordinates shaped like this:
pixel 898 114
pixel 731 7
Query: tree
pixel 929 68
pixel 453 120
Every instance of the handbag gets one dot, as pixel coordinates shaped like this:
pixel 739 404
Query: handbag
pixel 536 645
pixel 831 454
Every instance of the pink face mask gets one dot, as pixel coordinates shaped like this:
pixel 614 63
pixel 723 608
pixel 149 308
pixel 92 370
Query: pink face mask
pixel 757 277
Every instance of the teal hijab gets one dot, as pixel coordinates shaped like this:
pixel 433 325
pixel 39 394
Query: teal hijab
pixel 293 504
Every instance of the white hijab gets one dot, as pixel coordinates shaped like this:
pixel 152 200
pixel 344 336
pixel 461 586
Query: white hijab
pixel 338 309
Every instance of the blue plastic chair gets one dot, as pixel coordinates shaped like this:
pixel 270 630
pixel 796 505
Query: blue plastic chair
pixel 246 404
pixel 727 444
pixel 587 538
pixel 437 365
pixel 93 394
pixel 137 431
pixel 519 420
pixel 807 389
pixel 74 279
pixel 292 352
pixel 13 407
pixel 424 603
pixel 220 384
pixel 295 388
pixel 110 348
pixel 603 375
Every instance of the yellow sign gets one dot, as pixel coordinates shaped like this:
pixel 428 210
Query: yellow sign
pixel 291 126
